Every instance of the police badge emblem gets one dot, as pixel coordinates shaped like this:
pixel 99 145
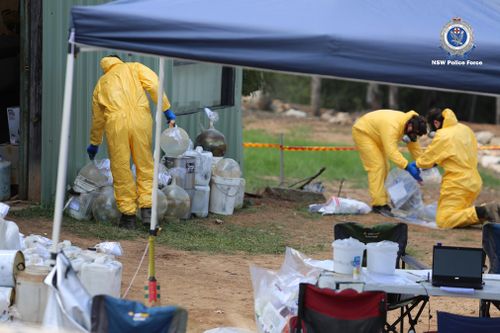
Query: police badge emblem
pixel 457 37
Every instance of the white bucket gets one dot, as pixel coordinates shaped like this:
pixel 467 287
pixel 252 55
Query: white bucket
pixel 238 202
pixel 11 262
pixel 381 257
pixel 199 206
pixel 223 193
pixel 31 293
pixel 344 252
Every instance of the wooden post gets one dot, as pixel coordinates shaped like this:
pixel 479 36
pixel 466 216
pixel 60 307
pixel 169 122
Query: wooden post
pixel 282 161
pixel 316 95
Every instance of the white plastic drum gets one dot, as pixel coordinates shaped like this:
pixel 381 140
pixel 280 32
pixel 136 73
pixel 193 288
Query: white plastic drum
pixel 344 252
pixel 382 256
pixel 11 262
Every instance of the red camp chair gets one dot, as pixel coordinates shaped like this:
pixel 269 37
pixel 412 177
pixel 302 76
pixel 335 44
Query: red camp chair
pixel 326 310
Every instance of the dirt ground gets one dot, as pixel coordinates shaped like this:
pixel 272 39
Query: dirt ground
pixel 216 289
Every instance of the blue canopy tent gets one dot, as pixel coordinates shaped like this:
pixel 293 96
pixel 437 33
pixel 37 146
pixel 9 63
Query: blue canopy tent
pixel 413 43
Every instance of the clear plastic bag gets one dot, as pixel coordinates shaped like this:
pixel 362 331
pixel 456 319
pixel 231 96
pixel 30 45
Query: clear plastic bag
pixel 276 292
pixel 336 205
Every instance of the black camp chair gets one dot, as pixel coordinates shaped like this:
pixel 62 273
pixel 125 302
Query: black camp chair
pixel 395 232
pixel 491 245
pixel 322 310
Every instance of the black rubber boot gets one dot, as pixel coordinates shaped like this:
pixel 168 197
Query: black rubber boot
pixel 146 216
pixel 127 221
pixel 383 210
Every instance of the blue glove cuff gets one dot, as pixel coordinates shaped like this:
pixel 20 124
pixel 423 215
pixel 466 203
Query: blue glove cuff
pixel 169 114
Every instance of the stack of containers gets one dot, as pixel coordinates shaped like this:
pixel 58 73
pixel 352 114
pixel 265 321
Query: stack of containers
pixel 203 173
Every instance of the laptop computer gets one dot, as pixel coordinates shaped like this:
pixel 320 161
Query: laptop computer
pixel 460 267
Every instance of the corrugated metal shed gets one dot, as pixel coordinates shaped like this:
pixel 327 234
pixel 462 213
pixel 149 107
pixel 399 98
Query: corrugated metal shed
pixel 188 86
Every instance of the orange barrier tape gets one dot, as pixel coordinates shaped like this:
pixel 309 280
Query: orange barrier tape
pixel 318 148
pixel 489 148
pixel 295 148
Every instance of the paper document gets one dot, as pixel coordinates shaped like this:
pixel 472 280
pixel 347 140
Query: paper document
pixel 397 191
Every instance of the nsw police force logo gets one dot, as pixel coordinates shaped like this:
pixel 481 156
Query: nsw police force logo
pixel 457 37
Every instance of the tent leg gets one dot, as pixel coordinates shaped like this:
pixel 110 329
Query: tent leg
pixel 158 119
pixel 63 148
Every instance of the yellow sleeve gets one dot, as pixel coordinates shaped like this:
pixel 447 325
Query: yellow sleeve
pixel 415 149
pixel 435 153
pixel 149 81
pixel 390 142
pixel 97 129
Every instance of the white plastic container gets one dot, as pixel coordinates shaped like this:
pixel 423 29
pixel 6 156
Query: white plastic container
pixel 238 202
pixel 31 293
pixel 223 193
pixel 102 279
pixel 203 169
pixel 344 252
pixel 9 236
pixel 11 263
pixel 201 197
pixel 382 256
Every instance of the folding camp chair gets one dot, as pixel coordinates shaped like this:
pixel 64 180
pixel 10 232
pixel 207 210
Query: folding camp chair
pixel 113 315
pixel 491 245
pixel 396 232
pixel 326 310
pixel 453 323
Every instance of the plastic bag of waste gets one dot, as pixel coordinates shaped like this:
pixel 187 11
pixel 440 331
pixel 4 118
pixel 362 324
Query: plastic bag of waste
pixel 431 176
pixel 89 178
pixel 276 292
pixel 113 248
pixel 104 207
pixel 402 187
pixel 4 210
pixel 336 205
pixel 227 168
pixel 179 203
pixel 211 139
pixel 174 141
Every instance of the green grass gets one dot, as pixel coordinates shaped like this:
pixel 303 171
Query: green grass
pixel 205 235
pixel 262 166
pixel 490 179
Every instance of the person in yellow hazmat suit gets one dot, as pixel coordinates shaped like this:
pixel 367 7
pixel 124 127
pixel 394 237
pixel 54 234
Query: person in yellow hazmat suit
pixel 376 135
pixel 454 148
pixel 120 108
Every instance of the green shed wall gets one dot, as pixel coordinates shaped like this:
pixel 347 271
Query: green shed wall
pixel 186 91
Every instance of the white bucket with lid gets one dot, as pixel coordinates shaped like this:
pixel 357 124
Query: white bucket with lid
pixel 223 193
pixel 382 256
pixel 344 252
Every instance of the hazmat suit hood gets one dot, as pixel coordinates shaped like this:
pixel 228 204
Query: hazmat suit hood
pixel 449 118
pixel 108 62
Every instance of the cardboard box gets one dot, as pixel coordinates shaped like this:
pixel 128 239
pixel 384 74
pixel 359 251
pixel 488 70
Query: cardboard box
pixel 13 115
pixel 11 154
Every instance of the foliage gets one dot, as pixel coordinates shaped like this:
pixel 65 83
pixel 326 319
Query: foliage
pixel 349 96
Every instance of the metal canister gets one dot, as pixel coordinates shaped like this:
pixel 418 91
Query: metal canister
pixel 188 164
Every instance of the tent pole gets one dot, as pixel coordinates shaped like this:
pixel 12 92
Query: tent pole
pixel 152 285
pixel 63 145
pixel 158 119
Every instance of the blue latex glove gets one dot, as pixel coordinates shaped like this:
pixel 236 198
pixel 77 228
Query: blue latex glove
pixel 414 171
pixel 170 115
pixel 92 151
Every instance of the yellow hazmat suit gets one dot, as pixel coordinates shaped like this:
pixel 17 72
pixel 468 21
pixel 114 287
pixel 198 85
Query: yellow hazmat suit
pixel 121 108
pixel 455 149
pixel 377 135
